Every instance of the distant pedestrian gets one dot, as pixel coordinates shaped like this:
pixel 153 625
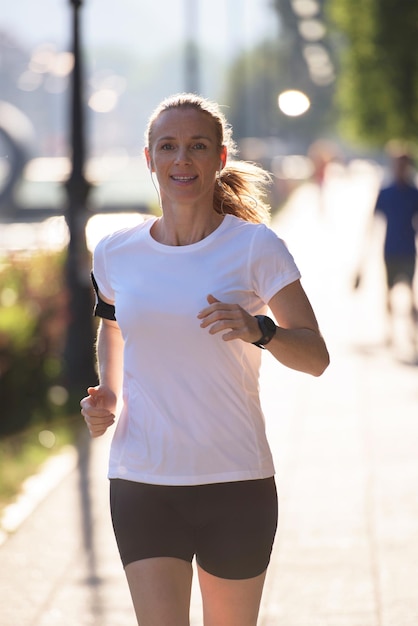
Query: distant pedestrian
pixel 190 466
pixel 397 203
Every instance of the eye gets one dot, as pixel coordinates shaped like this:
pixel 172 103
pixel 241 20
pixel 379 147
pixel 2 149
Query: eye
pixel 199 146
pixel 166 146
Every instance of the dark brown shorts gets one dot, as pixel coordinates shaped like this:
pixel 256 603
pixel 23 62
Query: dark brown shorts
pixel 229 527
pixel 399 269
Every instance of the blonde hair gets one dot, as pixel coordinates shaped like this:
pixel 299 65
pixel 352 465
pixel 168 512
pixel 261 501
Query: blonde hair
pixel 242 186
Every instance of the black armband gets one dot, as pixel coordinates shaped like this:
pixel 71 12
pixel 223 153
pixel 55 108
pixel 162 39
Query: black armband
pixel 102 308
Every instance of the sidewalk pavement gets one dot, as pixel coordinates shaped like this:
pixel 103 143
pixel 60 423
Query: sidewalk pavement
pixel 345 447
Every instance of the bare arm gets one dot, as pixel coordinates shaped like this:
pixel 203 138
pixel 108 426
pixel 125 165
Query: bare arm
pixel 298 343
pixel 99 407
pixel 110 355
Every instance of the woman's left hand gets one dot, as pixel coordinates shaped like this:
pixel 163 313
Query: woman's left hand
pixel 220 316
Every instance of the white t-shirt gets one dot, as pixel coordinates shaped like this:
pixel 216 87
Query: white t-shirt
pixel 191 412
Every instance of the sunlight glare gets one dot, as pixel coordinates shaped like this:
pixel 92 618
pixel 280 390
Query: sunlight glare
pixel 293 102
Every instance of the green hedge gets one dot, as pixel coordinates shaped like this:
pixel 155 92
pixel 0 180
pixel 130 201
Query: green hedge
pixel 32 335
pixel 23 453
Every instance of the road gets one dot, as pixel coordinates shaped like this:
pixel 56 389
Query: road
pixel 345 447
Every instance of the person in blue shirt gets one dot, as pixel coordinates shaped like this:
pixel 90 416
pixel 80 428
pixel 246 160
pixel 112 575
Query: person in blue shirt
pixel 397 203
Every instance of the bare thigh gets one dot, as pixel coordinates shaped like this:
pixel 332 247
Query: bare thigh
pixel 160 588
pixel 230 602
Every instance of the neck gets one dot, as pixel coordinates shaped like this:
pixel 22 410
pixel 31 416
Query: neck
pixel 185 229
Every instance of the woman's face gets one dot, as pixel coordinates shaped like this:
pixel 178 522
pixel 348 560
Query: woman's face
pixel 185 155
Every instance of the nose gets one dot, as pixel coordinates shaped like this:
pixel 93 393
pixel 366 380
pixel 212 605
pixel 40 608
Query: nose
pixel 182 156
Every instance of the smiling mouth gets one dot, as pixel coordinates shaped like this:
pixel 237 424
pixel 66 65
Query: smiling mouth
pixel 183 179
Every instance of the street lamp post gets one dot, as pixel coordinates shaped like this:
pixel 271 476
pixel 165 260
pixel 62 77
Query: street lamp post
pixel 191 51
pixel 293 104
pixel 79 350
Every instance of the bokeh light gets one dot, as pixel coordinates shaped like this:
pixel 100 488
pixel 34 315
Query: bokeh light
pixel 293 102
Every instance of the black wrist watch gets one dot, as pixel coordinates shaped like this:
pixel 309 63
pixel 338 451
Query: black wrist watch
pixel 267 328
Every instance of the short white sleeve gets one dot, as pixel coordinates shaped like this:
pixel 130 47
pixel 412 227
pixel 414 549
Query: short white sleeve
pixel 272 266
pixel 100 270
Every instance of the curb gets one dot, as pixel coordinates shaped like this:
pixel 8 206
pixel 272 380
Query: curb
pixel 35 489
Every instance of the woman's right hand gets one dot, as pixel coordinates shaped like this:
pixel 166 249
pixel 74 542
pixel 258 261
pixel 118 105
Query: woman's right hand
pixel 98 409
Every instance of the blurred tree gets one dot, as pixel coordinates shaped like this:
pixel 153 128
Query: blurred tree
pixel 252 88
pixel 378 84
pixel 259 75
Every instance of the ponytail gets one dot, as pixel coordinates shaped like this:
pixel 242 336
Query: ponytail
pixel 241 190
